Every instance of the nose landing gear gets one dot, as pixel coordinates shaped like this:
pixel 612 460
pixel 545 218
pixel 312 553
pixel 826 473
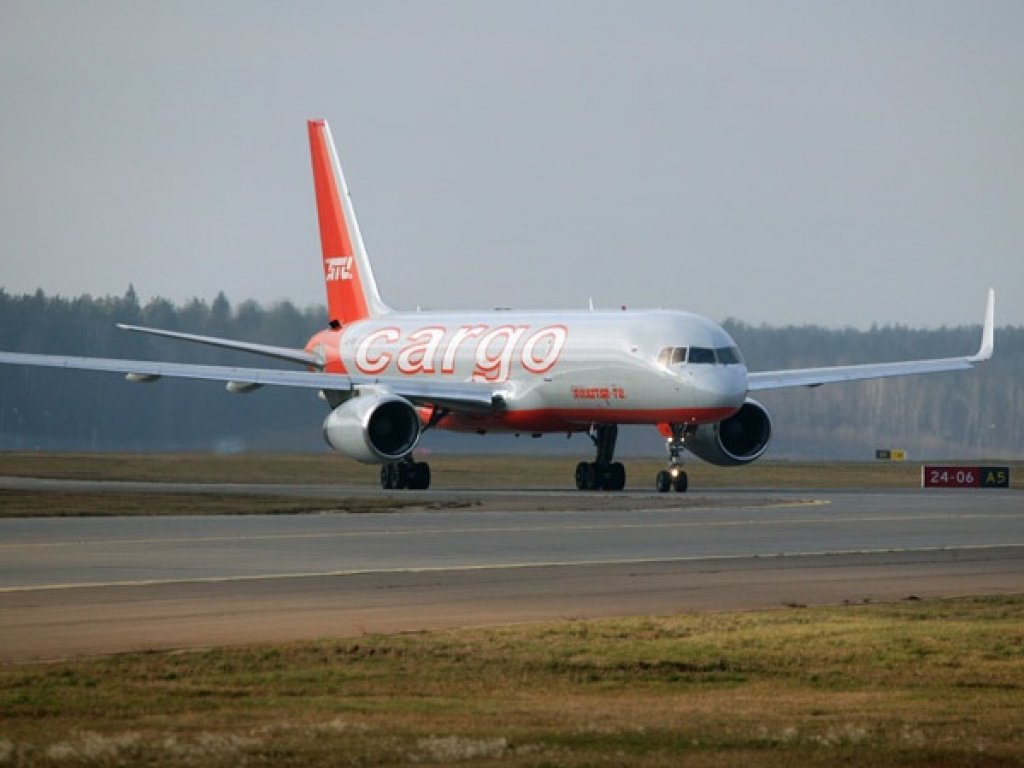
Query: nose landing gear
pixel 674 477
pixel 602 474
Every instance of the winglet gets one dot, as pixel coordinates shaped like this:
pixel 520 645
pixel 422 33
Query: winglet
pixel 988 333
pixel 351 289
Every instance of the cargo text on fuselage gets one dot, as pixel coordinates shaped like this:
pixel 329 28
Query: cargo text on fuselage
pixel 483 352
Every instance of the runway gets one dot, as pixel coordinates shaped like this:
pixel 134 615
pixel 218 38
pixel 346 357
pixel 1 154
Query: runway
pixel 71 586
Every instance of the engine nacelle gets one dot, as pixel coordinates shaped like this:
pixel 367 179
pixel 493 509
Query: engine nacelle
pixel 375 429
pixel 740 439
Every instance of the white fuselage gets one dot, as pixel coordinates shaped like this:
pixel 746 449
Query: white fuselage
pixel 560 371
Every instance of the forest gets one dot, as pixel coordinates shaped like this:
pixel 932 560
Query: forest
pixel 975 414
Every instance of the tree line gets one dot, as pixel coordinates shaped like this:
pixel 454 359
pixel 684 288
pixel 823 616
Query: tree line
pixel 972 414
pixel 977 413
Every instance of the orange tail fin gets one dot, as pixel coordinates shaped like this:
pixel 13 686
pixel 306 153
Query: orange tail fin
pixel 351 289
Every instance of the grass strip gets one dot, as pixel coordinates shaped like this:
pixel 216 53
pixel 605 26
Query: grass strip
pixel 453 471
pixel 19 503
pixel 920 683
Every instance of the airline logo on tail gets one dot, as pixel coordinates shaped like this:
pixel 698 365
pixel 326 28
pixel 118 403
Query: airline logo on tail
pixel 339 268
pixel 351 290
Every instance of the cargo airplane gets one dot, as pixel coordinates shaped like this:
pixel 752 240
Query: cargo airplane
pixel 388 375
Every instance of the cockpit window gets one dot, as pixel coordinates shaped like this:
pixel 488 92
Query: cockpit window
pixel 702 356
pixel 672 356
pixel 728 356
pixel 699 356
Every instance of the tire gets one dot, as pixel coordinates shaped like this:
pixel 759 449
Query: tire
pixel 616 476
pixel 587 476
pixel 419 476
pixel 681 483
pixel 387 476
pixel 401 475
pixel 663 481
pixel 581 476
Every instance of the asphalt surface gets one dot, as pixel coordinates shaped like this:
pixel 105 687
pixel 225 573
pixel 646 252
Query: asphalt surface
pixel 72 586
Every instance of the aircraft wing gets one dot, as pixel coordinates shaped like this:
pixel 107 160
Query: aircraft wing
pixel 814 377
pixel 150 370
pixel 457 395
pixel 300 356
pixel 462 396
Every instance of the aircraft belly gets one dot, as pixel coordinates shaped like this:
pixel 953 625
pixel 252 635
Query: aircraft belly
pixel 616 394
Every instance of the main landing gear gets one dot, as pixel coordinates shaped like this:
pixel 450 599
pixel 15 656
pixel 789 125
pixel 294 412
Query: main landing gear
pixel 675 476
pixel 602 474
pixel 405 474
pixel 409 474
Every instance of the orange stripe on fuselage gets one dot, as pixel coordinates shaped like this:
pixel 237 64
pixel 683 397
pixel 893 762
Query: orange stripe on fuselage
pixel 326 344
pixel 346 300
pixel 579 419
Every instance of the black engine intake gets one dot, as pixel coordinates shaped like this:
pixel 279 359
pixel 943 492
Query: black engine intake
pixel 740 439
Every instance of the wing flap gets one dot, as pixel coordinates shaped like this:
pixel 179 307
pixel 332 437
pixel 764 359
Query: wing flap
pixel 476 397
pixel 456 395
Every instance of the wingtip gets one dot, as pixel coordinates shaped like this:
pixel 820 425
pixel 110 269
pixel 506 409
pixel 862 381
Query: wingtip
pixel 988 331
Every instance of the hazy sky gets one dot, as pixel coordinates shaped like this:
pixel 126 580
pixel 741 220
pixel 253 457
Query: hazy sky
pixel 786 162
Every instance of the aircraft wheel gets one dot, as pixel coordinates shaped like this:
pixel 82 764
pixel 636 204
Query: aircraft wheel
pixel 419 476
pixel 663 481
pixel 616 476
pixel 587 476
pixel 401 476
pixel 581 476
pixel 681 482
pixel 387 476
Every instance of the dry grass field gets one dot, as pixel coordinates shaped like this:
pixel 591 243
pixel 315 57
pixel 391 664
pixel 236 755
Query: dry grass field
pixel 455 471
pixel 914 684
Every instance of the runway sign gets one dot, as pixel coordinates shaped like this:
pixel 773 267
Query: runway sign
pixel 937 476
pixel 891 454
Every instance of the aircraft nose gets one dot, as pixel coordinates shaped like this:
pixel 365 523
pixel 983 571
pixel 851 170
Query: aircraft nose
pixel 721 386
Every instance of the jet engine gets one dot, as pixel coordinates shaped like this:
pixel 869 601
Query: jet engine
pixel 375 429
pixel 740 439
